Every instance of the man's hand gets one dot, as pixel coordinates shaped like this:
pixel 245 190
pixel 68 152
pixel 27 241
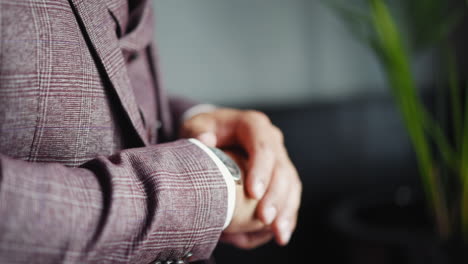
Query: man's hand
pixel 271 177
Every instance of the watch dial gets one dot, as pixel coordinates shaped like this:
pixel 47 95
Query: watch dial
pixel 230 164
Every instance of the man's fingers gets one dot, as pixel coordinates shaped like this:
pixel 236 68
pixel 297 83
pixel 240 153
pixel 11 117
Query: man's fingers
pixel 248 240
pixel 272 202
pixel 283 228
pixel 280 204
pixel 287 219
pixel 207 138
pixel 202 127
pixel 256 136
pixel 261 163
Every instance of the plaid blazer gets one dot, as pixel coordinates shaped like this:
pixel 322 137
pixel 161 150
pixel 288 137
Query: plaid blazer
pixel 79 180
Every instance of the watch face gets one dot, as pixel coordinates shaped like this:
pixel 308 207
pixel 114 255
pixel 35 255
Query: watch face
pixel 230 164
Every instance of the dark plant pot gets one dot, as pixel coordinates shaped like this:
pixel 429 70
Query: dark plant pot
pixel 377 229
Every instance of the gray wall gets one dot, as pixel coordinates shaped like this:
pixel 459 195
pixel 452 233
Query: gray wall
pixel 261 52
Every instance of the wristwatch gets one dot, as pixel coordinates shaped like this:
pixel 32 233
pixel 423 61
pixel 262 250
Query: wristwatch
pixel 230 164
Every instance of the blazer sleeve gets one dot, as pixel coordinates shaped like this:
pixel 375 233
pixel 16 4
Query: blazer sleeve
pixel 162 202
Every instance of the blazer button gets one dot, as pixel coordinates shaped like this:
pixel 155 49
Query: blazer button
pixel 180 262
pixel 158 124
pixel 133 56
pixel 188 255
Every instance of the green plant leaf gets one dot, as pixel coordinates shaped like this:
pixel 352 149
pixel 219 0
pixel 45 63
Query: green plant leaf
pixel 434 130
pixel 455 96
pixel 397 65
pixel 428 22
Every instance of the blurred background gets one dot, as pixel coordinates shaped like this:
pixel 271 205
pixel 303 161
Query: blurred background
pixel 296 61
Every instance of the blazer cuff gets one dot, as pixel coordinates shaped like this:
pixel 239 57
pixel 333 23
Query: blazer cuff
pixel 227 176
pixel 189 199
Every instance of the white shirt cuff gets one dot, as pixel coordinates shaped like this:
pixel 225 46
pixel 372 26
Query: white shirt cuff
pixel 197 109
pixel 231 185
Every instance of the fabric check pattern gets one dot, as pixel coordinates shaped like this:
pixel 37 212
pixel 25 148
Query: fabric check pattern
pixel 81 180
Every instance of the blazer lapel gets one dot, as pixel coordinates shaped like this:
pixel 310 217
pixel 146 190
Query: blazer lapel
pixel 92 19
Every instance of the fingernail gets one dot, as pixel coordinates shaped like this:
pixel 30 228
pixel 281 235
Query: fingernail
pixel 208 139
pixel 286 237
pixel 270 213
pixel 259 189
pixel 284 230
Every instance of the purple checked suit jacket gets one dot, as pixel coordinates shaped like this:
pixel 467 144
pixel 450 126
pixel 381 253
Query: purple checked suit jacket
pixel 80 180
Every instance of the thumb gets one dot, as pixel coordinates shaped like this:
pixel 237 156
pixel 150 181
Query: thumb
pixel 201 127
pixel 207 138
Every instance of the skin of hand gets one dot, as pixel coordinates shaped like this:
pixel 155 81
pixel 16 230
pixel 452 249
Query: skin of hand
pixel 271 177
pixel 245 230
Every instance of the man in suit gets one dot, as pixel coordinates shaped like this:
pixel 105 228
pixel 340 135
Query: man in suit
pixel 94 167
